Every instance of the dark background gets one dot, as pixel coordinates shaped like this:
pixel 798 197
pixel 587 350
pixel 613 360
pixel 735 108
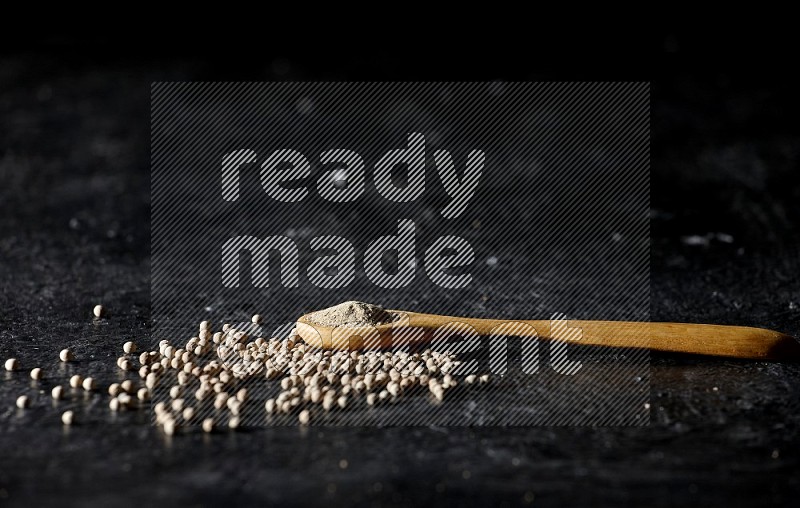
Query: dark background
pixel 74 213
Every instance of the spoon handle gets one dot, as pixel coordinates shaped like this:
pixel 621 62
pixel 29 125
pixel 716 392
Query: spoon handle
pixel 714 340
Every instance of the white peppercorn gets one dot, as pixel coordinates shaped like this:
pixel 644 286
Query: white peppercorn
pixel 170 426
pixel 188 413
pixel 23 401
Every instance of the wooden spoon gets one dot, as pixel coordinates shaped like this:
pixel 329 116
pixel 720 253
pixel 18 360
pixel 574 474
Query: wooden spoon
pixel 413 328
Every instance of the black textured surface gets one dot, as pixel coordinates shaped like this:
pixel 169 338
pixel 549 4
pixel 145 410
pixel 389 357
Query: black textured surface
pixel 74 230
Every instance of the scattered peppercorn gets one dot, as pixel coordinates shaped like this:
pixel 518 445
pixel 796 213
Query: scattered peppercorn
pixel 66 355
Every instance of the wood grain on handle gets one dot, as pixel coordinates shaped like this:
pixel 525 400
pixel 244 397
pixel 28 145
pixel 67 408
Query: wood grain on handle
pixel 714 340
